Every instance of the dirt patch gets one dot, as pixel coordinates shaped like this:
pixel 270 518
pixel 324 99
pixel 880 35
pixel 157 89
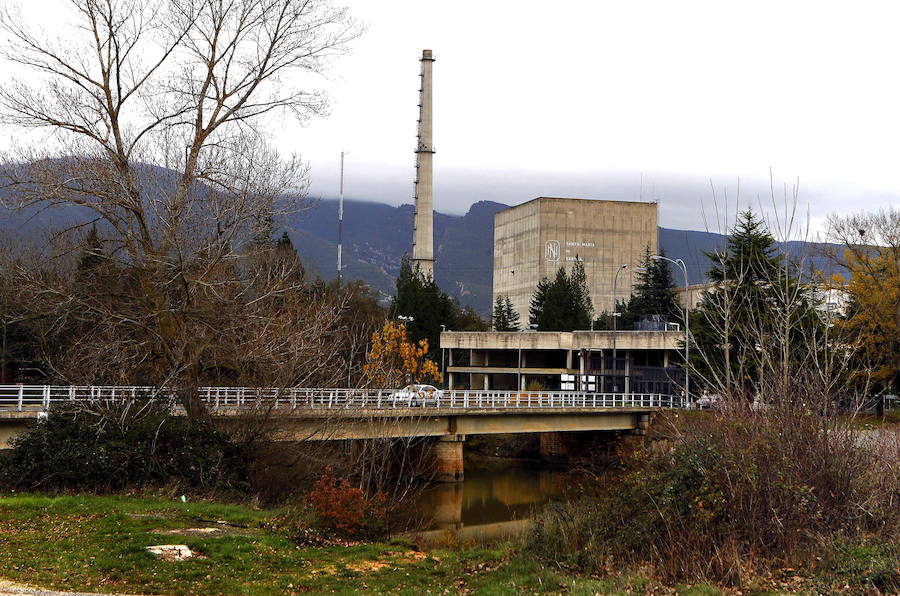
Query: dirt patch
pixel 367 566
pixel 210 531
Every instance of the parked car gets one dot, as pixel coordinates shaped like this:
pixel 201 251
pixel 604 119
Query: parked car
pixel 708 402
pixel 418 395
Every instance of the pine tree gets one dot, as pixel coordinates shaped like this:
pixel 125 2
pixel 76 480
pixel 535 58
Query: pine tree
pixel 512 317
pixel 563 304
pixel 653 294
pixel 92 255
pixel 419 297
pixel 581 294
pixel 738 328
pixel 505 317
pixel 286 259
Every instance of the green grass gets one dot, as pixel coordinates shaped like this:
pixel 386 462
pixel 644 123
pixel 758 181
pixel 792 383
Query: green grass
pixel 96 543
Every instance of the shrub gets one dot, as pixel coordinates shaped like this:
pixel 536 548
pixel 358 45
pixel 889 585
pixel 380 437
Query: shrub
pixel 722 493
pixel 343 508
pixel 114 446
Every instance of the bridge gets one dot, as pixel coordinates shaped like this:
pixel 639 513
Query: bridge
pixel 300 414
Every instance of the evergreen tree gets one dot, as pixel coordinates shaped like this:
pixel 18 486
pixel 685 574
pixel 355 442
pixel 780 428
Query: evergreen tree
pixel 286 258
pixel 653 294
pixel 739 327
pixel 562 304
pixel 419 297
pixel 505 317
pixel 92 255
pixel 581 294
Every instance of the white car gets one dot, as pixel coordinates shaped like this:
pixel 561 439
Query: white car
pixel 418 395
pixel 708 402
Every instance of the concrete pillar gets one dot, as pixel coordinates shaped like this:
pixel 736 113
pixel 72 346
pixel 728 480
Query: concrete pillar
pixel 450 381
pixel 569 359
pixel 487 384
pixel 582 368
pixel 554 447
pixel 448 459
pixel 627 372
pixel 641 424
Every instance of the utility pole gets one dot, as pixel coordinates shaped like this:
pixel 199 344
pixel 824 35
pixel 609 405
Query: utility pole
pixel 615 326
pixel 340 221
pixel 687 327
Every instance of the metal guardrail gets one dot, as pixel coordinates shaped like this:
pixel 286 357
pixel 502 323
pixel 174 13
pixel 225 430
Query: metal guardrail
pixel 29 397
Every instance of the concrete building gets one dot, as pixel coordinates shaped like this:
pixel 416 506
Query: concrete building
pixel 694 293
pixel 534 239
pixel 644 361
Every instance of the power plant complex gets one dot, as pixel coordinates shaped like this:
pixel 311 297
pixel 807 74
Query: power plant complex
pixel 533 241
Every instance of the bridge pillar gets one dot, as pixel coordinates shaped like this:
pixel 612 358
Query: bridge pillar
pixel 555 447
pixel 641 424
pixel 448 459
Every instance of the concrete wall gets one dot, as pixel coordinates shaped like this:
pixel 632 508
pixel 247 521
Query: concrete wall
pixel 558 340
pixel 535 239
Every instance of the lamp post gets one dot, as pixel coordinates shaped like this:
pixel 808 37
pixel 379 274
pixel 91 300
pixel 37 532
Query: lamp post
pixel 615 315
pixel 687 328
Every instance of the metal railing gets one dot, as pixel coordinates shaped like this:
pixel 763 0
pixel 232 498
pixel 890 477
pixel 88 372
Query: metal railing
pixel 31 397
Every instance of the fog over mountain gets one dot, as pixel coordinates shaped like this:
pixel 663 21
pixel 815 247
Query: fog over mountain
pixel 378 234
pixel 686 202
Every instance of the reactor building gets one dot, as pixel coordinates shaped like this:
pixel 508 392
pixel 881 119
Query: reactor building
pixel 534 239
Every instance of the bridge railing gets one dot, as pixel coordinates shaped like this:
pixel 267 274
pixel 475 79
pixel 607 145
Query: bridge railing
pixel 22 397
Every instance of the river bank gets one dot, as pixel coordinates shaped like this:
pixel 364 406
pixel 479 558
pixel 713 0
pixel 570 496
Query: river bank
pixel 88 543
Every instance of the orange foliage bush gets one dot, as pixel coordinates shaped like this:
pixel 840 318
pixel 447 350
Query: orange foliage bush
pixel 341 507
pixel 395 358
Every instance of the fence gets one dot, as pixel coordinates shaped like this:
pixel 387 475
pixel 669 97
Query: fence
pixel 29 397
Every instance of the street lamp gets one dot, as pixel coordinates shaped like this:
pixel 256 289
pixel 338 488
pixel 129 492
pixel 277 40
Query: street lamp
pixel 614 315
pixel 687 332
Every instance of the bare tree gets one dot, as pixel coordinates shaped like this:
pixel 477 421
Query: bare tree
pixel 154 112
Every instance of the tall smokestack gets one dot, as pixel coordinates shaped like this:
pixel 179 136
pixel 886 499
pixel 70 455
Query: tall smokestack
pixel 423 227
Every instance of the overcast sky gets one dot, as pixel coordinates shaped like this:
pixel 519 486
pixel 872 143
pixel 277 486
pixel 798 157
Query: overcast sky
pixel 615 100
pixel 577 98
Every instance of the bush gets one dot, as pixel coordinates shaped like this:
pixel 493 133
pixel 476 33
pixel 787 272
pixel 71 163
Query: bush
pixel 720 494
pixel 347 510
pixel 114 446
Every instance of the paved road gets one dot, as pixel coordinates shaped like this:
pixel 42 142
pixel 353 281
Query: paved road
pixel 11 588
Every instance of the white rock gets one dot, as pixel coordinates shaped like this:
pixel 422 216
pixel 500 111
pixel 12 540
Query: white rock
pixel 171 552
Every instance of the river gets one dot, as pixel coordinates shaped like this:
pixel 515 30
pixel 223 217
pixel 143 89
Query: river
pixel 495 500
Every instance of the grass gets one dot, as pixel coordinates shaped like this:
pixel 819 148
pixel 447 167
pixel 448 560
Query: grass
pixel 96 543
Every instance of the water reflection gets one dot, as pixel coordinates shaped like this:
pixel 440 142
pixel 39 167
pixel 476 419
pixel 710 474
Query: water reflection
pixel 494 499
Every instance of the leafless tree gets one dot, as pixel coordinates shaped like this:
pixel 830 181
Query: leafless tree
pixel 154 113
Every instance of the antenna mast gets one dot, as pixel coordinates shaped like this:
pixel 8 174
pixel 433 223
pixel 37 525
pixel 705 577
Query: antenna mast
pixel 340 221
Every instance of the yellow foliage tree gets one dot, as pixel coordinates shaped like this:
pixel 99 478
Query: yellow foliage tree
pixel 871 253
pixel 872 324
pixel 394 359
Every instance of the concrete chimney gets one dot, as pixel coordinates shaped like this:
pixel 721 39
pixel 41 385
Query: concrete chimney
pixel 423 220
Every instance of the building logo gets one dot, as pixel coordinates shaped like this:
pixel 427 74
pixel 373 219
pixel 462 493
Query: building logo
pixel 551 251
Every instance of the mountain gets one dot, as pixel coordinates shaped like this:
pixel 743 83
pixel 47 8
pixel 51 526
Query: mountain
pixel 377 235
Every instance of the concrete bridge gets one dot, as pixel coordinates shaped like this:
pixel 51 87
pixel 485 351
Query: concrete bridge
pixel 296 414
